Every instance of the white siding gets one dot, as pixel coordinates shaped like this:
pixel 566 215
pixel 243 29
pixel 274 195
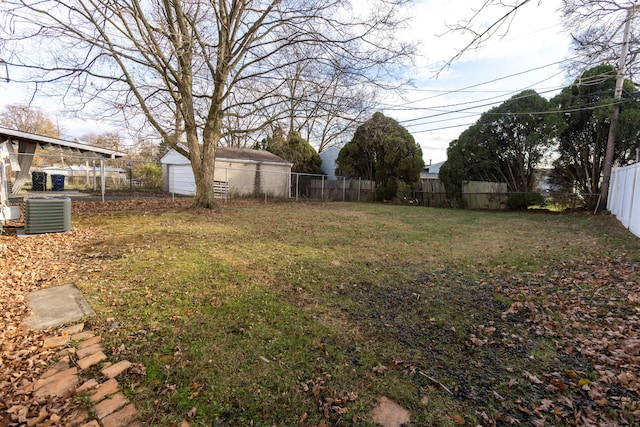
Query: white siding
pixel 329 157
pixel 242 175
pixel 181 180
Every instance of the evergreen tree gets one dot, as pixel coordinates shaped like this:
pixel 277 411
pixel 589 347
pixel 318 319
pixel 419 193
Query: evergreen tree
pixel 384 151
pixel 292 148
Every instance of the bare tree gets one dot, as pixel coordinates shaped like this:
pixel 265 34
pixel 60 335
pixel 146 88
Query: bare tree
pixel 190 65
pixel 109 140
pixel 597 29
pixel 324 102
pixel 28 119
pixel 481 31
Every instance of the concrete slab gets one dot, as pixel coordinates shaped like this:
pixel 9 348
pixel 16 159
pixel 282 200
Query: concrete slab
pixel 56 306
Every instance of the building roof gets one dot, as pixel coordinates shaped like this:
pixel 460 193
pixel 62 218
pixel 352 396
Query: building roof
pixel 431 170
pixel 231 154
pixel 48 142
pixel 228 153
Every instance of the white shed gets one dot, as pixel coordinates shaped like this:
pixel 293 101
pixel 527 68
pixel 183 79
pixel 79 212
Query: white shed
pixel 246 172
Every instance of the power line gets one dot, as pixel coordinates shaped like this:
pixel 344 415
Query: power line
pixel 565 111
pixel 592 80
pixel 596 79
pixel 484 83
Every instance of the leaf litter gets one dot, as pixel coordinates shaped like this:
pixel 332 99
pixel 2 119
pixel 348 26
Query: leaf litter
pixel 36 262
pixel 587 309
pixel 28 264
pixel 560 345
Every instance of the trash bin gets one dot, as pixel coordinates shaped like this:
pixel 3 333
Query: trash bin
pixel 57 182
pixel 39 181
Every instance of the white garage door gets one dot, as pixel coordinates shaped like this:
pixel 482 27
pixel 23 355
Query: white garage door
pixel 181 180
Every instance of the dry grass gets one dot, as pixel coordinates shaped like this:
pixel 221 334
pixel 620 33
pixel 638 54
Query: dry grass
pixel 306 313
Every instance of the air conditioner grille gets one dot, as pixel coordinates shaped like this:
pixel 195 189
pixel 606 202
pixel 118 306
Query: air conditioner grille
pixel 47 215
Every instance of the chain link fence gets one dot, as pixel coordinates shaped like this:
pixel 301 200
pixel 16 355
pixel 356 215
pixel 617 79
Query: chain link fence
pixel 64 172
pixel 57 173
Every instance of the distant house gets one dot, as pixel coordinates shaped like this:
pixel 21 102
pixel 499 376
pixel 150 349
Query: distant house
pixel 431 171
pixel 244 172
pixel 329 157
pixel 544 183
pixel 79 174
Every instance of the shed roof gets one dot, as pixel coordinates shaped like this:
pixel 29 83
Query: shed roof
pixel 229 153
pixel 234 154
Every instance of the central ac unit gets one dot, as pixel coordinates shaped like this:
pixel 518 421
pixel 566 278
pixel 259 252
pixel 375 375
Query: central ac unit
pixel 47 215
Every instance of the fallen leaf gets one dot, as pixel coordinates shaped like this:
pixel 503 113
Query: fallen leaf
pixel 584 381
pixel 538 422
pixel 558 383
pixel 457 418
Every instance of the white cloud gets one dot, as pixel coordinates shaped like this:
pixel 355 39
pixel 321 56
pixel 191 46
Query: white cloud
pixel 533 39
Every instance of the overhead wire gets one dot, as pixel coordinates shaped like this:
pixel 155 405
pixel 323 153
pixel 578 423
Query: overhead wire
pixel 590 81
pixel 565 111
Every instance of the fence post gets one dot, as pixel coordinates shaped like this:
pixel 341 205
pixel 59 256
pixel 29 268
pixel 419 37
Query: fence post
pixel 359 187
pixel 297 185
pixel 633 194
pixel 93 167
pixel 344 187
pixel 322 190
pixel 102 178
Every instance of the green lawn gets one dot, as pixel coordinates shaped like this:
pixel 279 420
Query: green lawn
pixel 306 313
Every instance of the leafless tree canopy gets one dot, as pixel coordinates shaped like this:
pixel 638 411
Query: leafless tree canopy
pixel 28 119
pixel 596 28
pixel 480 31
pixel 202 69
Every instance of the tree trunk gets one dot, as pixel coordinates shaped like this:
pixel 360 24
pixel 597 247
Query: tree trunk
pixel 205 177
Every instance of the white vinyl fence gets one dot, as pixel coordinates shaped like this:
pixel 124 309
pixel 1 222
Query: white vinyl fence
pixel 624 196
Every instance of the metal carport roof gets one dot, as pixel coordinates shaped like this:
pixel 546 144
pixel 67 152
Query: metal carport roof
pixel 28 142
pixel 45 142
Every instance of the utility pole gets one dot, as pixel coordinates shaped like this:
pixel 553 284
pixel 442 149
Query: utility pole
pixel 617 96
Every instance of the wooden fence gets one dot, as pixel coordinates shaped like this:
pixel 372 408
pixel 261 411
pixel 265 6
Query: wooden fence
pixel 475 194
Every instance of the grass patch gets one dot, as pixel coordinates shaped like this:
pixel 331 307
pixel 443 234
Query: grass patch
pixel 285 314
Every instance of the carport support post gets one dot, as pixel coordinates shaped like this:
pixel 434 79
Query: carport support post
pixel 93 167
pixel 102 178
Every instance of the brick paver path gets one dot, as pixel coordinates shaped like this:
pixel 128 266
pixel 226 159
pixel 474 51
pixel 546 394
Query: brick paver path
pixel 110 407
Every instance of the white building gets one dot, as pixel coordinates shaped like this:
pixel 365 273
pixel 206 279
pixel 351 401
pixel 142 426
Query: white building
pixel 329 157
pixel 244 172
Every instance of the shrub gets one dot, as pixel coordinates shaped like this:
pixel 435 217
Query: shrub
pixel 518 201
pixel 150 174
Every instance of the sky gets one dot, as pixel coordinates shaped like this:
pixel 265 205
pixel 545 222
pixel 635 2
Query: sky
pixel 527 56
pixel 530 55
